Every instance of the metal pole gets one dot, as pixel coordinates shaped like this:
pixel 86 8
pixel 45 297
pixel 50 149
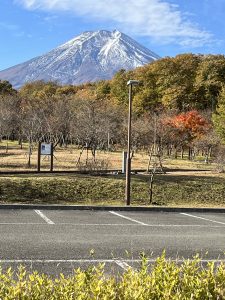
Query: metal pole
pixel 155 131
pixel 51 166
pixel 128 165
pixel 39 157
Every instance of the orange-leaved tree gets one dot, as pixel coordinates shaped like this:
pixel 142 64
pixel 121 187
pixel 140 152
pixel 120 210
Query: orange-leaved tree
pixel 185 127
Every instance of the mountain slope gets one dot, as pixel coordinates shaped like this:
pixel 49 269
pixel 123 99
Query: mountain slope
pixel 90 56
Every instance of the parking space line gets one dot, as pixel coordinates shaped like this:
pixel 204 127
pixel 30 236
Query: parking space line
pixel 47 220
pixel 205 219
pixel 127 218
pixel 22 224
pixel 147 225
pixel 96 224
pixel 122 264
pixel 63 260
pixel 116 225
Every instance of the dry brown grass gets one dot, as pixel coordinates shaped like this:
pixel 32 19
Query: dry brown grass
pixel 66 158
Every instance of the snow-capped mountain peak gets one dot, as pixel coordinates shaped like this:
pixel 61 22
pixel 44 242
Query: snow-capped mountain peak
pixel 91 56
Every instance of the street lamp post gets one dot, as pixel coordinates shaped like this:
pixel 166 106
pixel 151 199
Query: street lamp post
pixel 130 83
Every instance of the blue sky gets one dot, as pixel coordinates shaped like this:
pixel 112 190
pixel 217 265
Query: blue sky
pixel 29 28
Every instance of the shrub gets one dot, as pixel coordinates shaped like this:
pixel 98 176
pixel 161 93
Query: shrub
pixel 164 279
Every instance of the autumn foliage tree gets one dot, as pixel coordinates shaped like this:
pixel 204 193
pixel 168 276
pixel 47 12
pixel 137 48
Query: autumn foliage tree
pixel 184 128
pixel 96 113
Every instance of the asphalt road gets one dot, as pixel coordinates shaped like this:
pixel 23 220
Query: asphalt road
pixel 59 241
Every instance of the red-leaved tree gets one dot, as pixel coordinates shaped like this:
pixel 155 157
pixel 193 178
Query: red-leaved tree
pixel 184 128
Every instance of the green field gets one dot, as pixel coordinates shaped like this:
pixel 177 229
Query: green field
pixel 169 189
pixel 186 183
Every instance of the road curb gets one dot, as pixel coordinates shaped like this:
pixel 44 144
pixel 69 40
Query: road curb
pixel 115 208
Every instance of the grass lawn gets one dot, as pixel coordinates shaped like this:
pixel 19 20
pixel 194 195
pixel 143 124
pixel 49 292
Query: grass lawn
pixel 187 183
pixel 170 189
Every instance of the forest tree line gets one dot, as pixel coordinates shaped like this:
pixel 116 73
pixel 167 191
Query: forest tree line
pixel 179 103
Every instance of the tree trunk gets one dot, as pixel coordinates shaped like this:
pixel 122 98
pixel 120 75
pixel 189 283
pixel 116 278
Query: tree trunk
pixel 20 142
pixel 210 151
pixel 29 155
pixel 7 145
pixel 182 152
pixel 150 159
pixel 151 181
pixel 175 153
pixel 189 153
pixel 168 151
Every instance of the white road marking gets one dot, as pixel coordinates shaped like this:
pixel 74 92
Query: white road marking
pixel 96 224
pixel 119 225
pixel 22 224
pixel 62 260
pixel 205 219
pixel 147 225
pixel 124 261
pixel 47 220
pixel 122 264
pixel 127 218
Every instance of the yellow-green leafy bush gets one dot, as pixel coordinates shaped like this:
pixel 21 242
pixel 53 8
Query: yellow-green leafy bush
pixel 164 279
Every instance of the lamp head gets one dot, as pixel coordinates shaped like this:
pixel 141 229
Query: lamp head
pixel 133 82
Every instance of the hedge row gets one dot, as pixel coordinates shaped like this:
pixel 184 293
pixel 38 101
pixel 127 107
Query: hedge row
pixel 163 280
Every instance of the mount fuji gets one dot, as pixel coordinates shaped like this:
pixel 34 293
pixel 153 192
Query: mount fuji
pixel 88 57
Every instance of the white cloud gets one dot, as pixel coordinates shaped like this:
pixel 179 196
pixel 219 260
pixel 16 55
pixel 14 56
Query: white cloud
pixel 157 19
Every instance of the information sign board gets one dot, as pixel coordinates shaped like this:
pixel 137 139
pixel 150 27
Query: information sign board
pixel 45 149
